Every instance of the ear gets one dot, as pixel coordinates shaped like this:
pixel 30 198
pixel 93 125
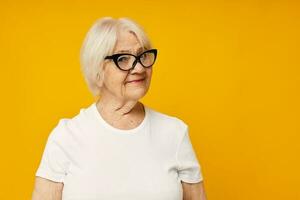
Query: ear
pixel 100 76
pixel 100 79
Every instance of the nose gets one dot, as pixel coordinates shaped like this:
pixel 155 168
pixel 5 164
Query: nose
pixel 138 68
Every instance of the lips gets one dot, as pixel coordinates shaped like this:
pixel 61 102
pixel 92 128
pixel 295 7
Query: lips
pixel 137 80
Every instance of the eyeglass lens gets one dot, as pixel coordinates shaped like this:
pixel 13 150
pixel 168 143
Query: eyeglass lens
pixel 126 61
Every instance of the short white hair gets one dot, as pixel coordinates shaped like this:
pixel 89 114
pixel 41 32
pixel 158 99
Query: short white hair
pixel 100 42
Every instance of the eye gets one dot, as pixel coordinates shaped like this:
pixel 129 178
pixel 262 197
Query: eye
pixel 123 58
pixel 144 56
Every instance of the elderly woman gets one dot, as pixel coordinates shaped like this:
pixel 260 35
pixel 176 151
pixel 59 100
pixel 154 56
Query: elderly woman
pixel 117 148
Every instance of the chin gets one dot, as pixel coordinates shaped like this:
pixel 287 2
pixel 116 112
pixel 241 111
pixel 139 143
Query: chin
pixel 137 94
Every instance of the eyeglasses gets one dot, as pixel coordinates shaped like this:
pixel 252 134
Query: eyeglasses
pixel 126 61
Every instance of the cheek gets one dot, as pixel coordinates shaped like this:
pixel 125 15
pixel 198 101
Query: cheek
pixel 116 79
pixel 149 74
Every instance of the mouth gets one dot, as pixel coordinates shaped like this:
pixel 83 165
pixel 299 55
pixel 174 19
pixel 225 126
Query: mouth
pixel 136 81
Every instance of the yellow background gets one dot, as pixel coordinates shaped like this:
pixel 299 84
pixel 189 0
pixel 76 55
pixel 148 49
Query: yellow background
pixel 229 69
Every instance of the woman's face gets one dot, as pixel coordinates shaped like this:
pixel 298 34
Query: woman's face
pixel 116 82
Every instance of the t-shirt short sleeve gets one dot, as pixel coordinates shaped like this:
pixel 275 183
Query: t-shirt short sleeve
pixel 189 168
pixel 54 162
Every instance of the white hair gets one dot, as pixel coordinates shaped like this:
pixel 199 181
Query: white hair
pixel 100 42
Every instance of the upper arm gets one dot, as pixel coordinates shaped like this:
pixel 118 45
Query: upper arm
pixel 189 168
pixel 45 189
pixel 53 167
pixel 193 191
pixel 56 158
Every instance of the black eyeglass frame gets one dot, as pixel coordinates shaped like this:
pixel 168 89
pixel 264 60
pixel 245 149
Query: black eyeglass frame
pixel 115 57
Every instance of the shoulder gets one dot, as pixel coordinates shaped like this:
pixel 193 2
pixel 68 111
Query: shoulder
pixel 168 122
pixel 60 131
pixel 167 119
pixel 72 128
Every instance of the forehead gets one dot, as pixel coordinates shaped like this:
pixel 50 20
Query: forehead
pixel 127 42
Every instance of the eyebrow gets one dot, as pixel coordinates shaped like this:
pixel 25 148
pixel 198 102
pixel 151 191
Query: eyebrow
pixel 128 51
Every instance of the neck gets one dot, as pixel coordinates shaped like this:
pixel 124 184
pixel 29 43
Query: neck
pixel 115 108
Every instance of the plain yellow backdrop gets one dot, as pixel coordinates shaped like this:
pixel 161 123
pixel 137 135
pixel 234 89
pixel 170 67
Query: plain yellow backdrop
pixel 229 69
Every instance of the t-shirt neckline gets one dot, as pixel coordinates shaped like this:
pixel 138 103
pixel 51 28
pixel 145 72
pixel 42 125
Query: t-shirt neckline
pixel 105 124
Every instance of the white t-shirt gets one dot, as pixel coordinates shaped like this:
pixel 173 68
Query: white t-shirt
pixel 97 161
